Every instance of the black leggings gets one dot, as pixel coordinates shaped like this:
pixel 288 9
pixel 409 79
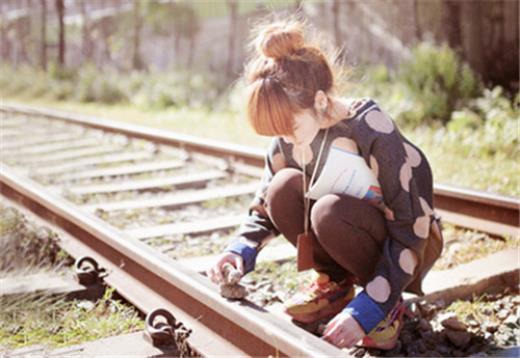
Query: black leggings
pixel 348 232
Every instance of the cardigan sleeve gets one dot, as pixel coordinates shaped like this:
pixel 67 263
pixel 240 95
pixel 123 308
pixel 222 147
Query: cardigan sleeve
pixel 257 229
pixel 408 217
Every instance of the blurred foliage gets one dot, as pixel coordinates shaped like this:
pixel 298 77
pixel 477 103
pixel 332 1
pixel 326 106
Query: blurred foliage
pixel 145 89
pixel 438 80
pixel 180 17
pixel 27 246
pixel 434 97
pixel 426 88
pixel 53 321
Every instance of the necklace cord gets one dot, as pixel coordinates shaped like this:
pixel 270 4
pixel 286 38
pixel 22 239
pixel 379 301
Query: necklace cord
pixel 306 199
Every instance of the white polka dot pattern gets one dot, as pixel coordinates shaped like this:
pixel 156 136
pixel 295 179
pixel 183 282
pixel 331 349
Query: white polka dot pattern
pixel 379 122
pixel 407 261
pixel 413 155
pixel 425 207
pixel 374 166
pixel 421 227
pixel 405 175
pixel 379 289
pixel 346 144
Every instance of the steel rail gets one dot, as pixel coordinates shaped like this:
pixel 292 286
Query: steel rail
pixel 149 280
pixel 487 212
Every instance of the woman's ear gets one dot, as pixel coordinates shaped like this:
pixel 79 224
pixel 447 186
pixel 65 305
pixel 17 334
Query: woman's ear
pixel 320 101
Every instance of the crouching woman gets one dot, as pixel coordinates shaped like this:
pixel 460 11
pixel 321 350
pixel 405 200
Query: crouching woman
pixel 376 229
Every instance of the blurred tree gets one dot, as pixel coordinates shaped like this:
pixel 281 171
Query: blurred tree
pixel 5 43
pixel 233 19
pixel 60 9
pixel 416 22
pixel 43 34
pixel 137 62
pixel 451 12
pixel 87 45
pixel 177 18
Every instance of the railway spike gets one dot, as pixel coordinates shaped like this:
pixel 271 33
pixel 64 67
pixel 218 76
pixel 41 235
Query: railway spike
pixel 88 271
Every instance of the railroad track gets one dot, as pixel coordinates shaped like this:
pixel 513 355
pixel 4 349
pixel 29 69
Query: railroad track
pixel 114 188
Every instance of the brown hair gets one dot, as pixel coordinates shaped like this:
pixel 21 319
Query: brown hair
pixel 284 74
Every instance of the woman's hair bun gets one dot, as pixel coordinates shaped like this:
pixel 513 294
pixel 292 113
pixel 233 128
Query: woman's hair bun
pixel 279 40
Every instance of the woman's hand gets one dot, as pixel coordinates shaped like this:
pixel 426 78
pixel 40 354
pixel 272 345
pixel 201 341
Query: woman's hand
pixel 215 273
pixel 343 331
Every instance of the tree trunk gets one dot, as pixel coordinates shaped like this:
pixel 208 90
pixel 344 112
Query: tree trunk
pixel 86 44
pixel 191 51
pixel 416 21
pixel 5 43
pixel 137 63
pixel 22 29
pixel 336 5
pixel 43 39
pixel 60 8
pixel 475 53
pixel 233 12
pixel 451 23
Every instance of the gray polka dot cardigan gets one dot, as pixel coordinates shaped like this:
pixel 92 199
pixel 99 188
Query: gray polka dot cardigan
pixel 414 237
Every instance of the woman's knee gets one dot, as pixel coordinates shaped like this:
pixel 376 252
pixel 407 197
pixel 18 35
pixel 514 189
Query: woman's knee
pixel 340 215
pixel 284 188
pixel 325 216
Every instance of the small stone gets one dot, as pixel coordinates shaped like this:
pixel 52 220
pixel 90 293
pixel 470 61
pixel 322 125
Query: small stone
pixel 234 292
pixel 411 351
pixel 427 310
pixel 429 340
pixel 444 349
pixel 43 233
pixel 421 347
pixel 406 338
pixel 470 317
pixel 458 338
pixel 86 305
pixel 424 325
pixel 473 323
pixel 453 323
pixel 487 311
pixel 502 314
pixel 511 321
pixel 491 327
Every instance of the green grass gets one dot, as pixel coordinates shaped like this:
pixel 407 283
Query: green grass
pixel 52 322
pixel 456 158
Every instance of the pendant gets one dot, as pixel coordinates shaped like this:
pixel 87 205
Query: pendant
pixel 305 260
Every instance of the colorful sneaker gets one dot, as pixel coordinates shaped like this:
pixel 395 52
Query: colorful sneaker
pixel 322 299
pixel 384 336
